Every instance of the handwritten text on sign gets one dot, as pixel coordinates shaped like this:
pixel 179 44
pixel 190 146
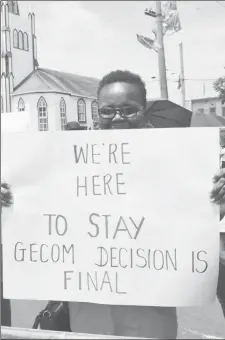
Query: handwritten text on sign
pixel 112 217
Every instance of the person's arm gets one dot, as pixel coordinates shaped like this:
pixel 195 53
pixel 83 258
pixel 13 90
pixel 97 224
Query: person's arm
pixel 218 196
pixel 6 201
pixel 221 278
pixel 221 287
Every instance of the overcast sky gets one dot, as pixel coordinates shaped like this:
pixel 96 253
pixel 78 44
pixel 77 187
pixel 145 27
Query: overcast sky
pixel 92 38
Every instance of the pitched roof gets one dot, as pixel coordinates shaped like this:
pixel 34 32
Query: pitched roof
pixel 202 99
pixel 46 80
pixel 164 113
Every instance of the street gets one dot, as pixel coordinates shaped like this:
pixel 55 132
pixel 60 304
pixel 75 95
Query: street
pixel 201 322
pixel 194 323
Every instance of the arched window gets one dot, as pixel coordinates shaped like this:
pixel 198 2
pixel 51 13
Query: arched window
pixel 15 39
pixel 81 109
pixel 7 65
pixel 21 105
pixel 15 7
pixel 25 42
pixel 94 111
pixel 63 119
pixel 10 5
pixel 21 46
pixel 42 114
pixel 7 42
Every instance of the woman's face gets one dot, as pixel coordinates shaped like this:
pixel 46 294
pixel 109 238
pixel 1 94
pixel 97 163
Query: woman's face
pixel 121 106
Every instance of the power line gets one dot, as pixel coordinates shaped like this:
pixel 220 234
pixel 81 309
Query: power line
pixel 220 4
pixel 202 79
pixel 212 65
pixel 188 2
pixel 189 79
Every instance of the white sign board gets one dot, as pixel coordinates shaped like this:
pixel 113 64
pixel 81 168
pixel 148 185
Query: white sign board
pixel 15 122
pixel 112 217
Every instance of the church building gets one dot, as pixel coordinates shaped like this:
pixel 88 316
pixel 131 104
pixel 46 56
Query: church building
pixel 52 98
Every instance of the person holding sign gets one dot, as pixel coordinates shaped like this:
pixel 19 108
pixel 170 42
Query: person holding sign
pixel 122 103
pixel 221 281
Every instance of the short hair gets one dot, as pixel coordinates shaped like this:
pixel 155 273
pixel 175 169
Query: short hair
pixel 125 77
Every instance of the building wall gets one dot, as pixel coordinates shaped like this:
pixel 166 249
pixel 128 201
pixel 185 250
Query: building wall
pixel 22 61
pixel 53 104
pixel 206 104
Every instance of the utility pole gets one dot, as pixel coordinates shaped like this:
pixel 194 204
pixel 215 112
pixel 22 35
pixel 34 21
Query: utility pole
pixel 182 79
pixel 161 54
pixel 203 89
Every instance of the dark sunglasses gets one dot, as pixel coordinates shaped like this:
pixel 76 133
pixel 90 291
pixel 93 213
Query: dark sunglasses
pixel 124 112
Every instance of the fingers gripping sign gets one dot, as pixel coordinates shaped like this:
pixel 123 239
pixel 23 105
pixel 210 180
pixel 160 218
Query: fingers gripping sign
pixel 217 194
pixel 6 195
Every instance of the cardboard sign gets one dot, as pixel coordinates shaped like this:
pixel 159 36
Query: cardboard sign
pixel 15 122
pixel 26 333
pixel 112 217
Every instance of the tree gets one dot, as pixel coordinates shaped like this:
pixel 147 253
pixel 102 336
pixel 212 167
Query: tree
pixel 219 87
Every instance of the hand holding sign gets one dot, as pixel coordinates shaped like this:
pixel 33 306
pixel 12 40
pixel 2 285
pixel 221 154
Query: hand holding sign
pixel 6 195
pixel 217 194
pixel 218 191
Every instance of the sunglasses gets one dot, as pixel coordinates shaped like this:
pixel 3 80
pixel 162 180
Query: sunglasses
pixel 124 112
